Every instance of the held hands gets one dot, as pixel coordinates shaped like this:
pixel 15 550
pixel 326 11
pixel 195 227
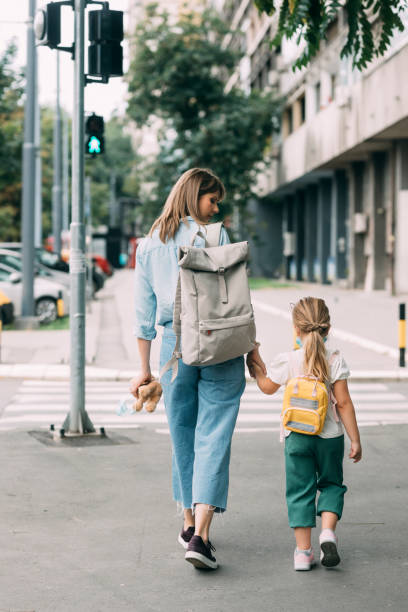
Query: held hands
pixel 355 451
pixel 255 363
pixel 138 381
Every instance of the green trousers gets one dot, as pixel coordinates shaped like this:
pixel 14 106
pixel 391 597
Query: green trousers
pixel 313 464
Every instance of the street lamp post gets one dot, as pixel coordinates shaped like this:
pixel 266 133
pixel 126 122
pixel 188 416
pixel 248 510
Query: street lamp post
pixel 28 179
pixel 38 169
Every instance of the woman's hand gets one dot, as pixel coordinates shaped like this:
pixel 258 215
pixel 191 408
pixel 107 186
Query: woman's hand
pixel 254 357
pixel 138 381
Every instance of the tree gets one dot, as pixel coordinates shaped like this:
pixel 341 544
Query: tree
pixel 178 75
pixel 11 141
pixel 310 19
pixel 47 168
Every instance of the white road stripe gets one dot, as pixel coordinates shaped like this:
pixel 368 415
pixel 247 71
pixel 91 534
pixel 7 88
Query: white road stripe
pixel 161 418
pixel 39 386
pixel 45 407
pixel 40 403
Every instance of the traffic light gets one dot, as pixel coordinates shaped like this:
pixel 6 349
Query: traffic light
pixel 95 142
pixel 47 25
pixel 105 54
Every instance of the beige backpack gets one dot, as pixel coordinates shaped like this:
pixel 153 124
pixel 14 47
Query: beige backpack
pixel 213 317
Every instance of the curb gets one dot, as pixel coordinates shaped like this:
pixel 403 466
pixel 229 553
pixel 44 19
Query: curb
pixel 62 372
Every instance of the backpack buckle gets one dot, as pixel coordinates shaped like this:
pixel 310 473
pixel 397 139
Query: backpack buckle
pixel 221 270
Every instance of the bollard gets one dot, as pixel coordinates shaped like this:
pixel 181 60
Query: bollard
pixel 402 334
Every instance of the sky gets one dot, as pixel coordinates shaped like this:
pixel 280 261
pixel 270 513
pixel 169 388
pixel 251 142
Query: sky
pixel 101 99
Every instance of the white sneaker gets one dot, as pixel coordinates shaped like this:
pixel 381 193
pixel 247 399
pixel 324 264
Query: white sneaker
pixel 329 557
pixel 303 559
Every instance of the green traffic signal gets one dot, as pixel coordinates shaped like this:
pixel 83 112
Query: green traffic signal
pixel 94 146
pixel 94 128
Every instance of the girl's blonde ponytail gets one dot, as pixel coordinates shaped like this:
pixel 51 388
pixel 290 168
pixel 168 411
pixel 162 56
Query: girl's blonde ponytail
pixel 311 316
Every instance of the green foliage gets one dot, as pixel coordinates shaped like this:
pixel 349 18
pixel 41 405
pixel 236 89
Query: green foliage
pixel 256 282
pixel 310 19
pixel 178 75
pixel 11 139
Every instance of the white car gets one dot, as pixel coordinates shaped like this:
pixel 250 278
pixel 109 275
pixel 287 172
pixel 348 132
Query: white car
pixel 51 300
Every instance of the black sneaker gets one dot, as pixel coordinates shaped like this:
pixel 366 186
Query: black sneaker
pixel 185 536
pixel 199 554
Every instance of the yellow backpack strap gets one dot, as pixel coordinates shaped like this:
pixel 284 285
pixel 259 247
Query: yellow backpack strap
pixel 333 401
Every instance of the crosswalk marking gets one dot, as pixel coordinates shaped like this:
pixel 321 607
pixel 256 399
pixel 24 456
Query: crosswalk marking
pixel 42 403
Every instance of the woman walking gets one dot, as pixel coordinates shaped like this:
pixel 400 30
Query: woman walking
pixel 202 403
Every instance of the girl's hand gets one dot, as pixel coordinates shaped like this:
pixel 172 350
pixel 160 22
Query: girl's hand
pixel 138 381
pixel 355 451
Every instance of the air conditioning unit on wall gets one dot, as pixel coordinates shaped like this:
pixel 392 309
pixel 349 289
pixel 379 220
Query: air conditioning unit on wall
pixel 360 223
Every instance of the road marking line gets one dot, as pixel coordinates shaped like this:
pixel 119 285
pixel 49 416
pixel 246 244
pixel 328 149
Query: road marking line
pixel 161 418
pixel 341 334
pixel 44 407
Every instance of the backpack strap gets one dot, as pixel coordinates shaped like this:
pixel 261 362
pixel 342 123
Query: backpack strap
pixel 333 400
pixel 173 362
pixel 214 234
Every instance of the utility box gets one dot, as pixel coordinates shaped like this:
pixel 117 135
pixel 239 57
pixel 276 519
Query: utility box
pixel 288 243
pixel 360 223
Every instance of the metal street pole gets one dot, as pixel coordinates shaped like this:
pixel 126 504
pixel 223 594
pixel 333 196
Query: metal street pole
pixel 88 221
pixel 27 225
pixel 77 420
pixel 38 168
pixel 56 187
pixel 65 175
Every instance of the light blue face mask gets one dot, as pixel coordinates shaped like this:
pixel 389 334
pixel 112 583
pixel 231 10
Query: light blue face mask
pixel 299 341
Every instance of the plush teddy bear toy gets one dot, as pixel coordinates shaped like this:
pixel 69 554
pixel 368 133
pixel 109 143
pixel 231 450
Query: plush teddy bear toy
pixel 149 395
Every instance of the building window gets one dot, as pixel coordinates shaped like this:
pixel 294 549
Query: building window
pixel 303 108
pixel 317 96
pixel 333 84
pixel 287 122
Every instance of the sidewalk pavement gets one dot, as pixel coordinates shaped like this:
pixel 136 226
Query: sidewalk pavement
pixel 365 329
pixel 94 529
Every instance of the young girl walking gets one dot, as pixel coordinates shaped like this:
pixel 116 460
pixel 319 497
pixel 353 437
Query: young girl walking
pixel 314 462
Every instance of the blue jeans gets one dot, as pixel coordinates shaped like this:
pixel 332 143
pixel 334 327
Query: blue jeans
pixel 202 407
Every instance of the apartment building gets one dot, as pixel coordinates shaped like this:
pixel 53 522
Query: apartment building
pixel 333 205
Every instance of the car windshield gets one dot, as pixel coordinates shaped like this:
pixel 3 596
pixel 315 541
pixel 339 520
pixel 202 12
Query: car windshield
pixel 47 258
pixel 12 261
pixel 4 275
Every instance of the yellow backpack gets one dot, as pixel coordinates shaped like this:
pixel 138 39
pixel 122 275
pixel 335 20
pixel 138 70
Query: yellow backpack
pixel 305 404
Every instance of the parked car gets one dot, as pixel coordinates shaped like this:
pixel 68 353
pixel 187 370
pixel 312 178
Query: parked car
pixel 6 309
pixel 42 256
pixel 52 261
pixel 51 299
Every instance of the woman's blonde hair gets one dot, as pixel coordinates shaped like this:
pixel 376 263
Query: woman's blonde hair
pixel 311 316
pixel 183 200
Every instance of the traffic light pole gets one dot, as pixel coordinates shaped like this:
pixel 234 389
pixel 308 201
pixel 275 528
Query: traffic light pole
pixel 57 186
pixel 28 178
pixel 78 421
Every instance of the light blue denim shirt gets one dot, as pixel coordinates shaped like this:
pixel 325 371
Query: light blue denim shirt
pixel 156 277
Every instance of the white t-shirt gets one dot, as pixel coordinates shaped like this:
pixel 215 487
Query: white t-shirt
pixel 284 367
